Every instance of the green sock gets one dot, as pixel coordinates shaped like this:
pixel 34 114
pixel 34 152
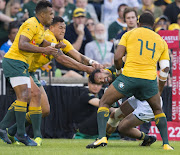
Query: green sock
pixel 36 117
pixel 9 118
pixel 143 136
pixel 13 129
pixel 20 109
pixel 161 124
pixel 102 118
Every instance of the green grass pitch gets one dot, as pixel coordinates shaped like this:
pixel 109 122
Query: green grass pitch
pixel 77 147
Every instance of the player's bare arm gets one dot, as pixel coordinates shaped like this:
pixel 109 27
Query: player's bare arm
pixel 46 43
pixel 71 63
pixel 24 45
pixel 83 59
pixel 119 54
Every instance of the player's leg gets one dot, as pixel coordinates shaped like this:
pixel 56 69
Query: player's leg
pixel 160 119
pixel 110 96
pixel 117 115
pixel 17 110
pixel 44 102
pixel 35 112
pixel 127 127
pixel 45 111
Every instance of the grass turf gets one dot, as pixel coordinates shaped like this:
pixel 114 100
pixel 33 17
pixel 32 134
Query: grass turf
pixel 77 147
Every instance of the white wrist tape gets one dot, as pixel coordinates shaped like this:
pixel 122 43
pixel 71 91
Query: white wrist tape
pixel 91 61
pixel 118 71
pixel 53 44
pixel 163 76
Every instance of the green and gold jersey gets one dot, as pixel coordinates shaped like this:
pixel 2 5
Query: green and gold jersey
pixel 144 48
pixel 33 30
pixel 40 59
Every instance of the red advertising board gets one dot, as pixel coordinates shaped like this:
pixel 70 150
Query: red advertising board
pixel 173 131
pixel 171 38
pixel 176 85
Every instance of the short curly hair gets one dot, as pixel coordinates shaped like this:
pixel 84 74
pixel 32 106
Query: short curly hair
pixel 91 76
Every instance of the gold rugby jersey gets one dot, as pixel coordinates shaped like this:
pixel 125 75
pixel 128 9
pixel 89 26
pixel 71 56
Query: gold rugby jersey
pixel 144 48
pixel 33 30
pixel 40 59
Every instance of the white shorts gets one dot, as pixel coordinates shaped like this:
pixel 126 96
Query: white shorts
pixel 20 80
pixel 142 109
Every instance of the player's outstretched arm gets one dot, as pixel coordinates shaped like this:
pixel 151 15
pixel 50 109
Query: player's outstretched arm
pixel 71 63
pixel 24 45
pixel 83 59
pixel 46 43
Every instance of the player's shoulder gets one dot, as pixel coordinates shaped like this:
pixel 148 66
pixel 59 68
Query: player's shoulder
pixel 47 32
pixel 66 41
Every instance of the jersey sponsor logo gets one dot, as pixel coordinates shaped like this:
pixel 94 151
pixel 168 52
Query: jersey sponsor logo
pixel 121 85
pixel 44 54
pixel 33 42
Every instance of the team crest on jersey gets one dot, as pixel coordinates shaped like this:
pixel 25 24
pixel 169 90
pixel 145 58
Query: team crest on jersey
pixel 121 85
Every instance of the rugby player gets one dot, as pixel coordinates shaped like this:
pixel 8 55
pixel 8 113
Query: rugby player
pixel 144 48
pixel 55 34
pixel 29 40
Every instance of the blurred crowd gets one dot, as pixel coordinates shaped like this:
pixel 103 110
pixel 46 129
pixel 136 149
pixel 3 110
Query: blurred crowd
pixel 92 26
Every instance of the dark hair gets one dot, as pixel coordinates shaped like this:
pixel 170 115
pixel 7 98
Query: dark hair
pixel 42 5
pixel 127 10
pixel 57 19
pixel 91 76
pixel 121 6
pixel 13 25
pixel 146 19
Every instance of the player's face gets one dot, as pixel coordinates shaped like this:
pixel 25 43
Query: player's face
pixel 60 29
pixel 48 16
pixel 102 77
pixel 131 19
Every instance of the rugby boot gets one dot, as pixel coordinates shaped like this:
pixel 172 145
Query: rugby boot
pixel 4 136
pixel 149 141
pixel 13 139
pixel 38 140
pixel 99 142
pixel 167 147
pixel 25 140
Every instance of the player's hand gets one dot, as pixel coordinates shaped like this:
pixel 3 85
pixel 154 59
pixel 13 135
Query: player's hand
pixel 49 50
pixel 89 69
pixel 60 45
pixel 97 65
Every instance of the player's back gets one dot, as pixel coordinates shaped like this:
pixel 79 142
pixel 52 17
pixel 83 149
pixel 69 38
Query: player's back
pixel 144 48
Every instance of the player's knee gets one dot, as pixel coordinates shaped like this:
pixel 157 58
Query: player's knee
pixel 24 96
pixel 36 94
pixel 45 112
